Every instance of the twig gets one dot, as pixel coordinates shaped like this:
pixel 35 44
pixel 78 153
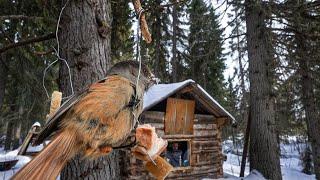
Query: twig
pixel 28 41
pixel 43 53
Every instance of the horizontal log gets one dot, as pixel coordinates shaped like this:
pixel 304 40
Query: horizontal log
pixel 205 151
pixel 206 143
pixel 205 133
pixel 212 163
pixel 159 117
pixel 204 118
pixel 153 117
pixel 188 136
pixel 196 172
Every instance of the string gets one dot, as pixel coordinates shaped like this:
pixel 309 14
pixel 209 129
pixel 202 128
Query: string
pixel 57 53
pixel 138 57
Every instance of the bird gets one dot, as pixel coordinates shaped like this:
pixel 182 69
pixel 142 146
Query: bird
pixel 93 122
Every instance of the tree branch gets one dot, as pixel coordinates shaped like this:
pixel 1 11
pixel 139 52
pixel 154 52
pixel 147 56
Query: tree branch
pixel 19 17
pixel 27 41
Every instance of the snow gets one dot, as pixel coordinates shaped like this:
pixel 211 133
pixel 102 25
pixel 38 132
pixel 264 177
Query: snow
pixel 290 161
pixel 36 124
pixel 11 156
pixel 36 148
pixel 158 92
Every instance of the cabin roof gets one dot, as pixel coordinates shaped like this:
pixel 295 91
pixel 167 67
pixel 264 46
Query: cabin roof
pixel 158 93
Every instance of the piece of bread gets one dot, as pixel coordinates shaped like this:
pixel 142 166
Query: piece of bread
pixel 160 169
pixel 146 136
pixel 149 144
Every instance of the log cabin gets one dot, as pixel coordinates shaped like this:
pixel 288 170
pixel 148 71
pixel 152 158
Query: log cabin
pixel 191 120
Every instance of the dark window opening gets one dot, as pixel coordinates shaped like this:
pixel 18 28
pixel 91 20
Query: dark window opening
pixel 178 153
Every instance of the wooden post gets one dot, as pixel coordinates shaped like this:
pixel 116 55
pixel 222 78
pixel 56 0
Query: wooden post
pixel 245 147
pixel 35 127
pixel 143 23
pixel 55 103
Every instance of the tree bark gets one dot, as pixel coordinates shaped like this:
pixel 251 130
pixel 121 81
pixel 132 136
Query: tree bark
pixel 85 43
pixel 157 41
pixel 174 62
pixel 3 79
pixel 312 116
pixel 264 150
pixel 309 101
pixel 8 141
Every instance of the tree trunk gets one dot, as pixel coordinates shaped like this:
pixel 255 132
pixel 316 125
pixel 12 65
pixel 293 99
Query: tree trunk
pixel 309 104
pixel 3 79
pixel 85 43
pixel 9 132
pixel 157 41
pixel 264 150
pixel 174 62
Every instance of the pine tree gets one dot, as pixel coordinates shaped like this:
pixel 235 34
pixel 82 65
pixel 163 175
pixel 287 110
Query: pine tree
pixel 178 41
pixel 121 33
pixel 24 66
pixel 205 49
pixel 237 45
pixel 156 54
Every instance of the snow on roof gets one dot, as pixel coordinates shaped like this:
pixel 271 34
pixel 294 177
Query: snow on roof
pixel 159 92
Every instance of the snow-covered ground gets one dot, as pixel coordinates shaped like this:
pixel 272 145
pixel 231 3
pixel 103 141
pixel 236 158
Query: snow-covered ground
pixel 4 175
pixel 290 162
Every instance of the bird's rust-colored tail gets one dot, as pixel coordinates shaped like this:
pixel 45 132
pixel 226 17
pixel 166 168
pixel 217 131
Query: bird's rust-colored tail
pixel 50 161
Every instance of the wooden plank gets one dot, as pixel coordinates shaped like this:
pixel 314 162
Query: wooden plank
pixel 179 116
pixel 189 117
pixel 170 116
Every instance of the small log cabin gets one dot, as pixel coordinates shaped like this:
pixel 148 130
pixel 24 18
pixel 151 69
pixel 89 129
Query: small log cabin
pixel 191 120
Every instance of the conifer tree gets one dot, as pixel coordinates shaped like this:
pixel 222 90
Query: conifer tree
pixel 122 39
pixel 206 59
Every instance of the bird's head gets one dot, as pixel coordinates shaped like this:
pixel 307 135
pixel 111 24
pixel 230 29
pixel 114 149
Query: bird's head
pixel 130 70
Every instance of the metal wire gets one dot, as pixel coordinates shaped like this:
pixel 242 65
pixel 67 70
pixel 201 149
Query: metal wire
pixel 57 53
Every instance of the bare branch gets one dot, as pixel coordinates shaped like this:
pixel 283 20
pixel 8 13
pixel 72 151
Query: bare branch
pixel 20 17
pixel 27 41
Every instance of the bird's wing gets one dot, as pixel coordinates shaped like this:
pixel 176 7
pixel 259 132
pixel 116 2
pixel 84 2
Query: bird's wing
pixel 53 121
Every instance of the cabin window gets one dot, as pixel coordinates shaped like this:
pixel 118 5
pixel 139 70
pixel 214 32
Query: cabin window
pixel 178 153
pixel 179 116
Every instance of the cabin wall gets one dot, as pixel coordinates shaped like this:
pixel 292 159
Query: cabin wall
pixel 206 149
